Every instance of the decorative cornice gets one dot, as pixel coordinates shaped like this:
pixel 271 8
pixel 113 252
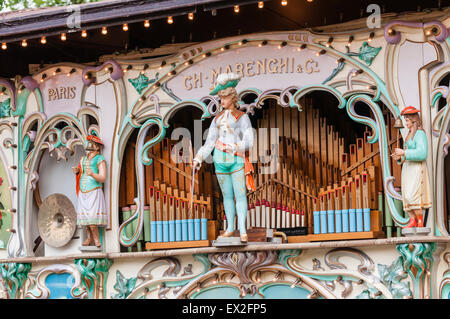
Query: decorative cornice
pixel 116 72
pixel 394 36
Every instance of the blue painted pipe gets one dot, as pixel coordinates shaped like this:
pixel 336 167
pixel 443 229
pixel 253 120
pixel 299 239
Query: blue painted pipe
pixel 153 232
pixel 359 220
pixel 323 221
pixel 171 230
pixel 352 220
pixel 338 214
pixel 159 231
pixel 345 228
pixel 178 230
pixel 316 218
pixel 184 230
pixel 204 227
pixel 165 224
pixel 366 212
pixel 197 233
pixel 190 229
pixel 330 215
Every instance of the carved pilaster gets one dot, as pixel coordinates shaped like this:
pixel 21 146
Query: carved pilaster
pixel 417 259
pixel 94 273
pixel 13 276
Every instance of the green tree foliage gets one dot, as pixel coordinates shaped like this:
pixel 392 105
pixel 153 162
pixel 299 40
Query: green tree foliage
pixel 9 5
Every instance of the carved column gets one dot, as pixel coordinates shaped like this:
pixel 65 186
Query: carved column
pixel 13 276
pixel 94 273
pixel 417 259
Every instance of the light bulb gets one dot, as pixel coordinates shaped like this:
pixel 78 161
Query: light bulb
pixel 4 46
pixel 170 20
pixel 125 27
pixel 284 3
pixel 261 4
pixel 104 30
pixel 63 37
pixel 191 16
pixel 147 23
pixel 24 43
pixel 43 40
pixel 84 33
pixel 236 9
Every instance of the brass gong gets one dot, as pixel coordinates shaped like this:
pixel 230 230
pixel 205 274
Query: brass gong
pixel 57 220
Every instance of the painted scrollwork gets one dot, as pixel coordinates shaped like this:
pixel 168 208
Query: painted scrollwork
pixel 38 289
pixel 212 104
pixel 440 130
pixel 339 272
pixel 146 282
pixel 252 274
pixel 142 159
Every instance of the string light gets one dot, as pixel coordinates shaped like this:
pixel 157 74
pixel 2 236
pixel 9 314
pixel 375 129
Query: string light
pixel 350 40
pixel 262 43
pixel 84 33
pixel 431 31
pixel 243 42
pixel 191 16
pixel 24 43
pixel 4 46
pixel 63 37
pixel 355 73
pixel 300 48
pixel 43 40
pixel 71 71
pixel 261 4
pixel 391 32
pixel 129 67
pixel 371 35
pixel 145 68
pixel 321 52
pixel 330 39
pixel 44 76
pixel 284 3
pixel 125 27
pixel 56 71
pixel 104 30
pixel 169 20
pixel 147 23
pixel 236 9
pixel 282 44
pixel 163 63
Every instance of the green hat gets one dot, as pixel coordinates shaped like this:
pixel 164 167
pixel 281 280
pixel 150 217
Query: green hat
pixel 225 80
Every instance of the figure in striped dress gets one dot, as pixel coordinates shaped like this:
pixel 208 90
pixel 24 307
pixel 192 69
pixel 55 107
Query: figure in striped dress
pixel 230 135
pixel 415 183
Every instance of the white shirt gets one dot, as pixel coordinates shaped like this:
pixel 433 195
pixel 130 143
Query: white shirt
pixel 237 134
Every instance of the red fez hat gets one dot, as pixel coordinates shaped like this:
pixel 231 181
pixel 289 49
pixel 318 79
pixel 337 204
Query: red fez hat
pixel 409 110
pixel 95 139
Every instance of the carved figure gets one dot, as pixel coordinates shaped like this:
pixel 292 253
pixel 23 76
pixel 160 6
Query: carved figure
pixel 415 183
pixel 230 135
pixel 90 176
